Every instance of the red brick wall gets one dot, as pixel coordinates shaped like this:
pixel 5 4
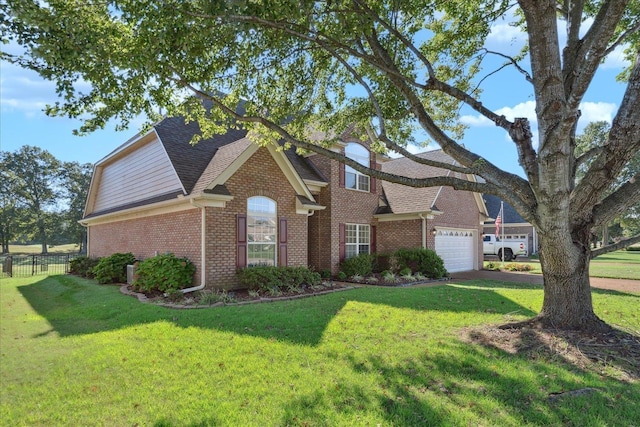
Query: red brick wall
pixel 342 206
pixel 259 176
pixel 177 232
pixel 394 235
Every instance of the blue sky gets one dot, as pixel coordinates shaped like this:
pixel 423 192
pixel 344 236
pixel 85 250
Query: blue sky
pixel 24 95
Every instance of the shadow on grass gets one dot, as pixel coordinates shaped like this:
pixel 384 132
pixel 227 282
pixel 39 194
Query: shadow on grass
pixel 74 306
pixel 458 381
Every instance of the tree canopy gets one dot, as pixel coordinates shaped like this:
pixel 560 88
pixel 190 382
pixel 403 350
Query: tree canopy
pixel 41 198
pixel 386 68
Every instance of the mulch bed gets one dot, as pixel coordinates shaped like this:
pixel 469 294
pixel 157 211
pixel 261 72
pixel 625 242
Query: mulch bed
pixel 595 352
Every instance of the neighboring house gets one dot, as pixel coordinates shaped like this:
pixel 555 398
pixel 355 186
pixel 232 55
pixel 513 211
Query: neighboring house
pixel 515 227
pixel 227 203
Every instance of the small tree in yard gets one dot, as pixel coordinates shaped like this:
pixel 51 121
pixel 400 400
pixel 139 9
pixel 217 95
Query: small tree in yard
pixel 385 68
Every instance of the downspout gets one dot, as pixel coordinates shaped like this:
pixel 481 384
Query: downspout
pixel 203 246
pixel 424 230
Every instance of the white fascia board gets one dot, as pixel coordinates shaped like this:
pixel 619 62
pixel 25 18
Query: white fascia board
pixel 406 216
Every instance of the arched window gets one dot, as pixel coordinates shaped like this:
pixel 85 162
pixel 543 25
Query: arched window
pixel 353 178
pixel 261 231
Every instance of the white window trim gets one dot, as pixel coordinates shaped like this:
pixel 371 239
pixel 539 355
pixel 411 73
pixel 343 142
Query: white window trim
pixel 275 242
pixel 363 160
pixel 357 244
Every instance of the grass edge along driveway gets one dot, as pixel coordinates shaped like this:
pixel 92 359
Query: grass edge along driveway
pixel 76 353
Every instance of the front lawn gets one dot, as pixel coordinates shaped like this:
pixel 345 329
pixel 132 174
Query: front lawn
pixel 614 265
pixel 76 353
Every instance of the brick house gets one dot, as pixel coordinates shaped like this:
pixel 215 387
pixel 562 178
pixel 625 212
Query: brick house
pixel 227 203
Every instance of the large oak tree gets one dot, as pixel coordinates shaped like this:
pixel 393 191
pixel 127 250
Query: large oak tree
pixel 308 68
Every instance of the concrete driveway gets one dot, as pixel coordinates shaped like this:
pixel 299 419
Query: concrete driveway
pixel 623 285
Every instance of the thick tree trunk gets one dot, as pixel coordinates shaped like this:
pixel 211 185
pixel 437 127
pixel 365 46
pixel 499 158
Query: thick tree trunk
pixel 567 300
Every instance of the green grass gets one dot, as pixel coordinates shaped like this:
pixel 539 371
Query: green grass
pixel 614 265
pixel 76 353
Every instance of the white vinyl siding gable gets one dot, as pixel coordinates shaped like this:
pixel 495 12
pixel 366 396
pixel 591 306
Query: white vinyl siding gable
pixel 140 175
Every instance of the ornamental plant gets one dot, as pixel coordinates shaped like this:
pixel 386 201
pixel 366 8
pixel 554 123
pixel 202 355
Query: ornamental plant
pixel 426 261
pixel 164 273
pixel 113 269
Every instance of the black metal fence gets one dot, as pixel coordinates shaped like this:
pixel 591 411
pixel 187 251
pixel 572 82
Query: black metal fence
pixel 32 265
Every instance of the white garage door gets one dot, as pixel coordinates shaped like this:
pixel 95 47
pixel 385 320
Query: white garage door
pixel 456 248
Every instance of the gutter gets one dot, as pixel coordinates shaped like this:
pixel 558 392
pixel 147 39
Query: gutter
pixel 424 230
pixel 203 246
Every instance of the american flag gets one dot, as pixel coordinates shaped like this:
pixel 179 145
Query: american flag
pixel 499 222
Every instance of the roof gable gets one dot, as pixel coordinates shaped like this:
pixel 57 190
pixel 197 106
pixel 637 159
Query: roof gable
pixel 510 215
pixel 190 161
pixel 404 199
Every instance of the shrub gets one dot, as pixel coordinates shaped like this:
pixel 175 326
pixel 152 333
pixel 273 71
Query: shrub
pixel 633 248
pixel 269 279
pixel 517 267
pixel 342 276
pixel 113 269
pixel 389 276
pixel 325 273
pixel 426 261
pixel 405 271
pixel 492 266
pixel 164 273
pixel 359 265
pixel 83 266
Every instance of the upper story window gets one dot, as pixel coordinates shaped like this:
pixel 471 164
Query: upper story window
pixel 261 231
pixel 353 178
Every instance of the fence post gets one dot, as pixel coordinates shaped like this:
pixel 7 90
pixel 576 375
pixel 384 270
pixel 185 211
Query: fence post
pixel 7 265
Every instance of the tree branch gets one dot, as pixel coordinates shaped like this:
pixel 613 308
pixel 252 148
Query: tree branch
pixel 617 202
pixel 623 143
pixel 611 248
pixel 622 38
pixel 513 62
pixel 589 53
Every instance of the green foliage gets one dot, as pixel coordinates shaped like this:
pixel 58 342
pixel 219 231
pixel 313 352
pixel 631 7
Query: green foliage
pixel 405 271
pixel 342 275
pixel 359 265
pixel 492 266
pixel 83 266
pixel 425 261
pixel 113 268
pixel 325 273
pixel 210 297
pixel 269 279
pixel 514 266
pixel 164 273
pixel 389 276
pixel 633 248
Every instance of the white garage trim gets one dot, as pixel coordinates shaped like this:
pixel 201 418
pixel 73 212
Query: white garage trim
pixel 458 248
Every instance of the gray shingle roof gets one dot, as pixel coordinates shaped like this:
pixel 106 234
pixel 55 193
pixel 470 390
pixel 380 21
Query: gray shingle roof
pixel 191 161
pixel 511 216
pixel 403 199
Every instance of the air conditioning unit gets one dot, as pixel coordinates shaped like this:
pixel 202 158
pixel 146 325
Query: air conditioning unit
pixel 131 273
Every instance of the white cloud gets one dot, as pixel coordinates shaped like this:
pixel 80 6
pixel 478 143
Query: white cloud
pixel 595 112
pixel 23 90
pixel 524 109
pixel 615 60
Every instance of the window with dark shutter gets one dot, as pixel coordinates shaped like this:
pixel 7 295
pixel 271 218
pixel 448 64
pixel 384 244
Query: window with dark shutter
pixel 241 240
pixel 282 241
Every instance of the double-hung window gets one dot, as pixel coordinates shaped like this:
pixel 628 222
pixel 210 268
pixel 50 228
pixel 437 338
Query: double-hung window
pixel 357 239
pixel 261 231
pixel 354 179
